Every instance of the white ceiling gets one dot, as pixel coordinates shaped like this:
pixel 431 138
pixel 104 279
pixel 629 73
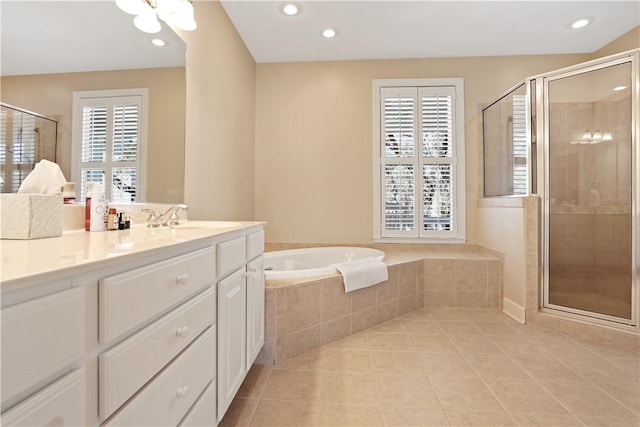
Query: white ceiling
pixel 41 37
pixel 424 29
pixel 64 36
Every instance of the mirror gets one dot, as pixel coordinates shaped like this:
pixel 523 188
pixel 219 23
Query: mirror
pixel 52 48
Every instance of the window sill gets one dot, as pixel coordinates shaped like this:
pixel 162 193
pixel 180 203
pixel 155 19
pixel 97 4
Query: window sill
pixel 420 240
pixel 502 202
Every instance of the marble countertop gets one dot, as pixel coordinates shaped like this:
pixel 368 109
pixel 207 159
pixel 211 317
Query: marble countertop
pixel 77 249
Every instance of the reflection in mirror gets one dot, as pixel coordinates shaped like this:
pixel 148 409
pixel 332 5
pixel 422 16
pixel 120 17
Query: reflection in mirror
pixel 51 49
pixel 25 139
pixel 504 124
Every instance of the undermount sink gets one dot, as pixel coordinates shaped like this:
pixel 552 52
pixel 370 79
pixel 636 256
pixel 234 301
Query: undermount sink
pixel 206 225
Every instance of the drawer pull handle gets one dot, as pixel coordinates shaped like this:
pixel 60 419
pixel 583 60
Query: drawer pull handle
pixel 182 391
pixel 182 279
pixel 182 332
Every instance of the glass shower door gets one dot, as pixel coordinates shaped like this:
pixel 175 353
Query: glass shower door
pixel 590 185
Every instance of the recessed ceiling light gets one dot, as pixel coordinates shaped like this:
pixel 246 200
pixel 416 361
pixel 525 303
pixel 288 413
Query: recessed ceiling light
pixel 617 88
pixel 580 23
pixel 291 9
pixel 329 33
pixel 158 42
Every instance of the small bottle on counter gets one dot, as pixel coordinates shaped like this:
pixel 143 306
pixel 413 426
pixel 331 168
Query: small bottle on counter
pixel 112 222
pixel 121 221
pixel 69 193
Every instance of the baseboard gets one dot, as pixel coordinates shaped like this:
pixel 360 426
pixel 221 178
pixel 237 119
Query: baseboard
pixel 513 310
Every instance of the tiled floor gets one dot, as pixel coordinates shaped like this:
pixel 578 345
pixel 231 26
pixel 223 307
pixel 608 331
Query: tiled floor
pixel 441 367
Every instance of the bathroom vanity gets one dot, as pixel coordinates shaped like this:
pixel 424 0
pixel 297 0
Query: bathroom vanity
pixel 134 327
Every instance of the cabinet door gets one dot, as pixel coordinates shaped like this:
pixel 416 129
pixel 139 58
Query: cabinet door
pixel 255 309
pixel 232 337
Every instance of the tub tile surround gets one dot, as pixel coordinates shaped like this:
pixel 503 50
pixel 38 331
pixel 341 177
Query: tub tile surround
pixel 304 314
pixel 307 315
pixel 447 366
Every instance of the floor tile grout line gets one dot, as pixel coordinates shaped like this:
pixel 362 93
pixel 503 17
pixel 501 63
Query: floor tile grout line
pixel 635 411
pixel 486 385
pixel 540 384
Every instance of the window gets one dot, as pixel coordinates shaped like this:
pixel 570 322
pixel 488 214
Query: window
pixel 109 129
pixel 419 160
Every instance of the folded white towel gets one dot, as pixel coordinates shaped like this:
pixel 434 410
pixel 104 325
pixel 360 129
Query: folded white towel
pixel 362 273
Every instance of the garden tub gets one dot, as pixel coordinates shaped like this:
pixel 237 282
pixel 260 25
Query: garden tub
pixel 311 262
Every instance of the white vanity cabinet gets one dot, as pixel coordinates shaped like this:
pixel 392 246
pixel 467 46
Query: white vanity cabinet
pixel 240 312
pixel 154 337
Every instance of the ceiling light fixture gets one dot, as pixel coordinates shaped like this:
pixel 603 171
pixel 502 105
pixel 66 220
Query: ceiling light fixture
pixel 174 12
pixel 329 33
pixel 290 9
pixel 580 23
pixel 594 138
pixel 158 42
pixel 619 88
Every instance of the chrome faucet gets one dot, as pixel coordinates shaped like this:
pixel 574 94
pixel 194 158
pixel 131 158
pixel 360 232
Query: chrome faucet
pixel 174 219
pixel 168 218
pixel 152 220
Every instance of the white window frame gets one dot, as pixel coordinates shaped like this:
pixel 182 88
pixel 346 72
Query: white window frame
pixel 457 233
pixel 79 98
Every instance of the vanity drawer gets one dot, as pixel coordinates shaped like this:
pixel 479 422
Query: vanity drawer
pixel 166 400
pixel 203 412
pixel 231 255
pixel 60 404
pixel 130 298
pixel 128 366
pixel 255 244
pixel 40 338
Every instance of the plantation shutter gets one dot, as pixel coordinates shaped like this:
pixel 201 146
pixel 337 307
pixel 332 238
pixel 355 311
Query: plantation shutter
pixel 110 146
pixel 399 161
pixel 418 161
pixel 3 148
pixel 438 160
pixel 519 132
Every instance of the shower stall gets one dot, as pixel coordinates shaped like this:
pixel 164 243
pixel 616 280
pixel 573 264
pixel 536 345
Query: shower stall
pixel 25 139
pixel 576 131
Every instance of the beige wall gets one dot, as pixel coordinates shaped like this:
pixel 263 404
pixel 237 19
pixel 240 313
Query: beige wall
pixel 628 41
pixel 314 178
pixel 219 155
pixel 52 95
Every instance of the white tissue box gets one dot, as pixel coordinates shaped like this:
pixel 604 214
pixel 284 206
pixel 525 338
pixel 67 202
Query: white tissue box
pixel 30 216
